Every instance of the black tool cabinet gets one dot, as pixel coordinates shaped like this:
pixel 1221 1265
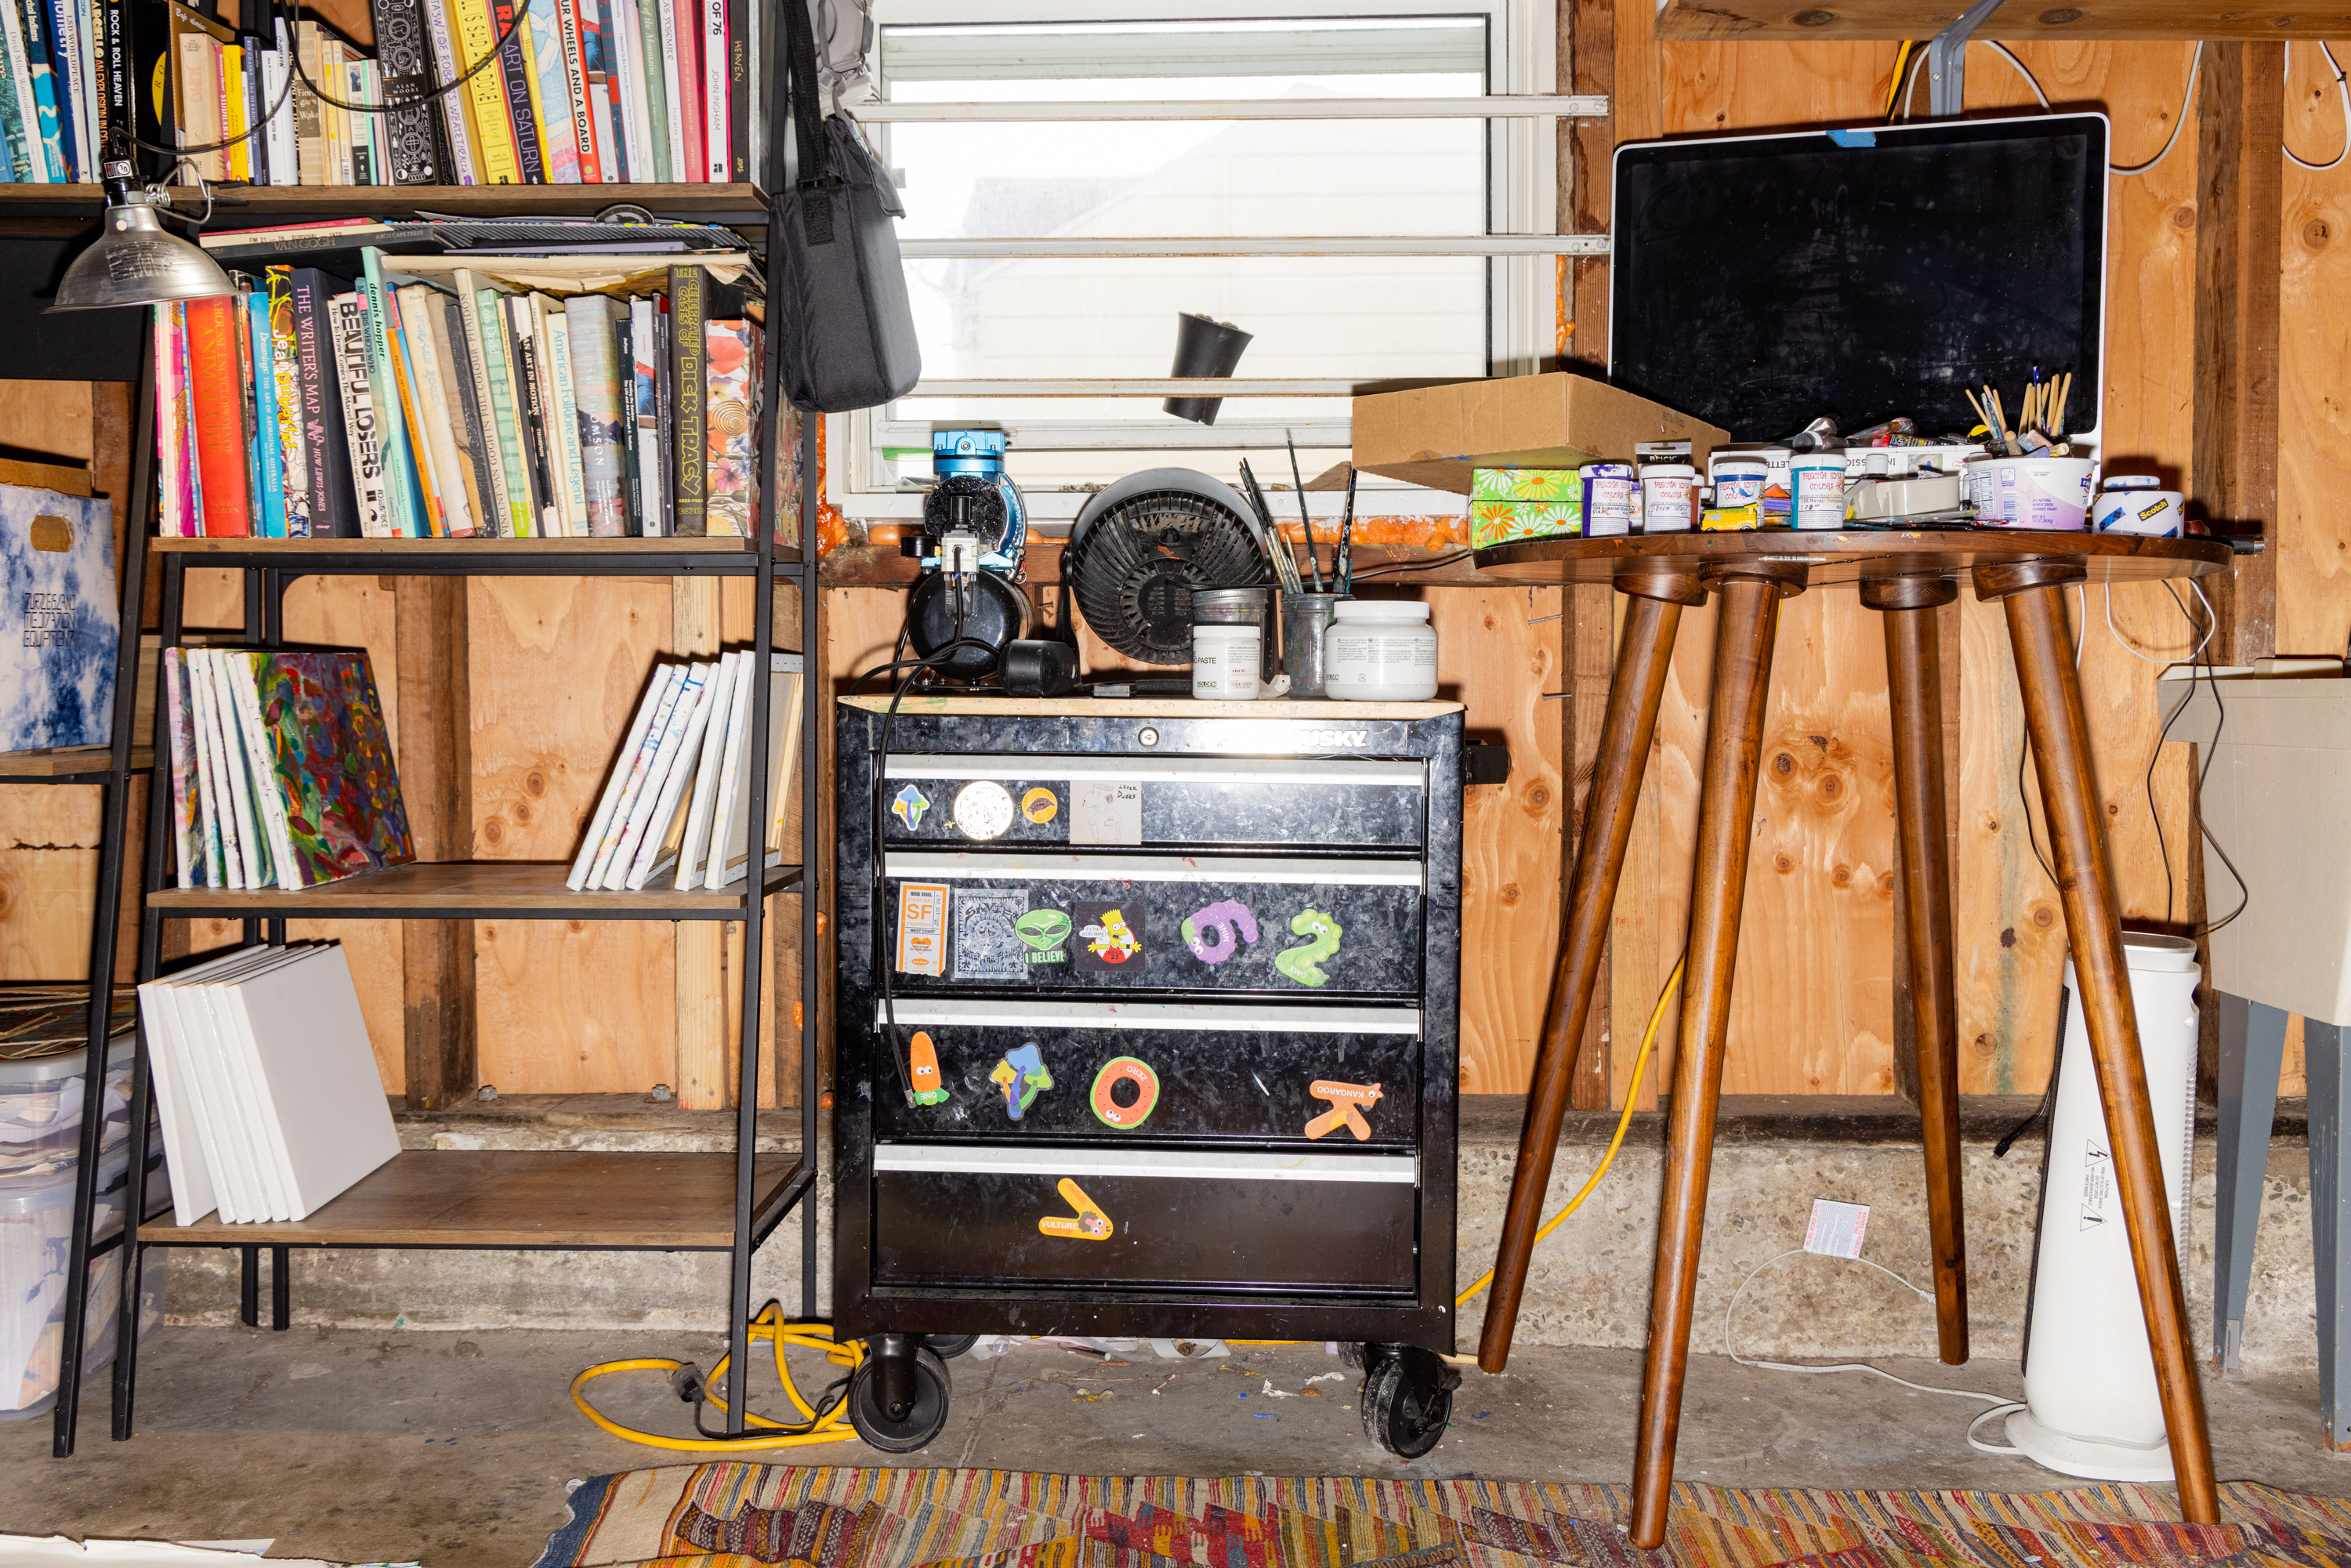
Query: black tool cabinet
pixel 1188 973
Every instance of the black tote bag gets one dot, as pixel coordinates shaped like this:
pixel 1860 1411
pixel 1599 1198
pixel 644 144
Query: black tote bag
pixel 847 333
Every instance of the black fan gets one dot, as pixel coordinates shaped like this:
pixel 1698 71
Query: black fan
pixel 1141 547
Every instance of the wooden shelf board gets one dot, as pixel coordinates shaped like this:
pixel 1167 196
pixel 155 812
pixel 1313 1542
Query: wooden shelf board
pixel 487 888
pixel 513 1197
pixel 67 762
pixel 879 564
pixel 1847 21
pixel 719 544
pixel 246 205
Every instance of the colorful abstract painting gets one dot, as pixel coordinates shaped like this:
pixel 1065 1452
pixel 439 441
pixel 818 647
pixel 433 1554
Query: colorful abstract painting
pixel 57 619
pixel 333 763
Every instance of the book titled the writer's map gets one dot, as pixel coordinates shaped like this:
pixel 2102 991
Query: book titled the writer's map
pixel 57 619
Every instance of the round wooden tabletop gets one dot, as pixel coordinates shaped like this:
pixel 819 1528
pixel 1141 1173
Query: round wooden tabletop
pixel 1852 555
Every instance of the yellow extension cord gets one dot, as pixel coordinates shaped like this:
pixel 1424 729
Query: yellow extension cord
pixel 835 1426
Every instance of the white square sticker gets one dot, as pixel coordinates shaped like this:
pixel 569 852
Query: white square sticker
pixel 1836 1228
pixel 1106 812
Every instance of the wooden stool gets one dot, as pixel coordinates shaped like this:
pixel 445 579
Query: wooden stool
pixel 1906 576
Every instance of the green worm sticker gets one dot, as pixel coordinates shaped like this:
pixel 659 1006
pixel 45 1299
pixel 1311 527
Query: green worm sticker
pixel 1304 963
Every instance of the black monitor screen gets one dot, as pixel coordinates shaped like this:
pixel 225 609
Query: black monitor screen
pixel 1759 282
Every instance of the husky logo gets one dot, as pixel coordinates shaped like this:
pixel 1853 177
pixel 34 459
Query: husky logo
pixel 1333 737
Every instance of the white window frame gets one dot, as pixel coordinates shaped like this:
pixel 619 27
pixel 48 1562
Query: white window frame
pixel 1521 41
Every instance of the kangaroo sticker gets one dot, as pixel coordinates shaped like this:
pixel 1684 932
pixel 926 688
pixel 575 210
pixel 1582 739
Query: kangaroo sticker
pixel 1345 1101
pixel 1217 932
pixel 1303 964
pixel 1089 1224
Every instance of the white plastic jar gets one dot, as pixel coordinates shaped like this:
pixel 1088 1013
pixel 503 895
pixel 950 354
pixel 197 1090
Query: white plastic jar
pixel 1224 661
pixel 1381 651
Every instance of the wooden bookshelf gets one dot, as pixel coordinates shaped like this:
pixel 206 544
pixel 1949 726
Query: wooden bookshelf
pixel 723 553
pixel 742 206
pixel 91 762
pixel 516 1198
pixel 462 891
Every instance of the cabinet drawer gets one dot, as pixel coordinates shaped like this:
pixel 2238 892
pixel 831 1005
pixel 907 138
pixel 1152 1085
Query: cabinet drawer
pixel 1292 1223
pixel 1274 802
pixel 1124 923
pixel 1119 1072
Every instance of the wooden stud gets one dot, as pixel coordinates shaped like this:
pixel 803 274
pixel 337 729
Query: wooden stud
pixel 1748 620
pixel 2038 640
pixel 436 771
pixel 2241 124
pixel 703 1003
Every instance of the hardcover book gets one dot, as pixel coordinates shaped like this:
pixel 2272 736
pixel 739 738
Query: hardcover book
pixel 731 427
pixel 58 620
pixel 329 762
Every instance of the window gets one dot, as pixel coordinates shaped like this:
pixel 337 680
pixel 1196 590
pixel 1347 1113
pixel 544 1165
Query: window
pixel 1073 303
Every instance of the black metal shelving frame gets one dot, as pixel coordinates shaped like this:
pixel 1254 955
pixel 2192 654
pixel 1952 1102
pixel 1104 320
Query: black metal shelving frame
pixel 269 568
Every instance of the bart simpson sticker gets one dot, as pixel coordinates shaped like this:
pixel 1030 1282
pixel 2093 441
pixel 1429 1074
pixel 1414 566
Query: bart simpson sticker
pixel 1112 936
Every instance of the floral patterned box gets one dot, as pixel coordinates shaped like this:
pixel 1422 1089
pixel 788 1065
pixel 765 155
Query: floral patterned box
pixel 1499 522
pixel 1553 485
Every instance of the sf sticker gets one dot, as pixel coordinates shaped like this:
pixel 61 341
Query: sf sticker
pixel 908 806
pixel 1345 1101
pixel 1112 938
pixel 924 1058
pixel 1046 934
pixel 1022 1076
pixel 1216 932
pixel 1304 963
pixel 1089 1224
pixel 1136 1109
pixel 1041 805
pixel 922 928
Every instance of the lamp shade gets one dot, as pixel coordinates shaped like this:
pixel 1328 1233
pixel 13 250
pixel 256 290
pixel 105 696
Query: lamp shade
pixel 134 260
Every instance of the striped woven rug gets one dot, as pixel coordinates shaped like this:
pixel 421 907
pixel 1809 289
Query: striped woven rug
pixel 735 1515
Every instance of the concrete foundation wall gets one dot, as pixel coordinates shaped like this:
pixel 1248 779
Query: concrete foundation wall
pixel 1589 1285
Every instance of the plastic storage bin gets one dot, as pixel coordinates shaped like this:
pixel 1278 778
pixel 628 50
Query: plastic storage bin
pixel 41 1109
pixel 35 1226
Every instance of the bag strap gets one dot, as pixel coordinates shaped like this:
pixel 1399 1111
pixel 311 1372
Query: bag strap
pixel 808 127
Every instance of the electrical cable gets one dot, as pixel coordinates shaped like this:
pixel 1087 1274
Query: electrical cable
pixel 1390 568
pixel 826 1421
pixel 1631 1098
pixel 2187 102
pixel 1916 55
pixel 2010 56
pixel 2211 755
pixel 2342 88
pixel 1728 1350
pixel 1900 75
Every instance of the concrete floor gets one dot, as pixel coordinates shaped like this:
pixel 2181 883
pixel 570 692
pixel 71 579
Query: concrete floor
pixel 454 1449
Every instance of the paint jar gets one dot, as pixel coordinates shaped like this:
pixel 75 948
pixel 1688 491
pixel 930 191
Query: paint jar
pixel 1979 479
pixel 1381 651
pixel 1305 638
pixel 1669 498
pixel 1779 496
pixel 1816 487
pixel 2052 493
pixel 2135 503
pixel 1225 663
pixel 1242 607
pixel 1612 499
pixel 1738 479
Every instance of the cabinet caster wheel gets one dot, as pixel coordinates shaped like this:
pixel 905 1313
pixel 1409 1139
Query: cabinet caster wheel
pixel 912 1425
pixel 947 1346
pixel 1408 1399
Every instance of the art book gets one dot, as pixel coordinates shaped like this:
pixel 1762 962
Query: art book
pixel 58 620
pixel 731 427
pixel 329 762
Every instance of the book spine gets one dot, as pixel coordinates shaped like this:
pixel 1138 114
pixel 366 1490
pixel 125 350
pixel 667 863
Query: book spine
pixel 438 413
pixel 740 90
pixel 117 113
pixel 84 79
pixel 34 14
pixel 261 384
pixel 689 370
pixel 359 145
pixel 255 115
pixel 285 136
pixel 674 84
pixel 66 80
pixel 652 88
pixel 596 60
pixel 664 415
pixel 184 387
pixel 403 51
pixel 240 671
pixel 239 151
pixel 442 48
pixel 629 90
pixel 226 866
pixel 334 513
pixel 575 71
pixel 170 441
pixel 644 426
pixel 514 74
pixel 730 469
pixel 596 385
pixel 713 91
pixel 400 489
pixel 286 368
pixel 624 414
pixel 557 339
pixel 362 435
pixel 334 130
pixel 23 118
pixel 689 79
pixel 475 468
pixel 407 374
pixel 489 328
pixel 379 127
pixel 219 410
pixel 486 93
pixel 179 723
pixel 559 133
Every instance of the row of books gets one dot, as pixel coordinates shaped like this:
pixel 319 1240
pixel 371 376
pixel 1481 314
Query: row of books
pixel 580 92
pixel 265 1082
pixel 673 808
pixel 282 772
pixel 440 399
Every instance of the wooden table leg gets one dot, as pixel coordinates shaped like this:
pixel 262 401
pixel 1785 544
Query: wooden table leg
pixel 2033 595
pixel 1914 682
pixel 1744 628
pixel 1643 662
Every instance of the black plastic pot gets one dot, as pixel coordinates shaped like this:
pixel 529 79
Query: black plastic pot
pixel 1204 348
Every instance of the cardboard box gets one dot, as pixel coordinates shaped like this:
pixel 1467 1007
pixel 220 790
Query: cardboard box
pixel 1526 484
pixel 1436 435
pixel 1499 522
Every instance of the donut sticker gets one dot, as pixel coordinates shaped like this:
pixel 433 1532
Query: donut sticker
pixel 1216 932
pixel 1041 805
pixel 1303 962
pixel 1136 1108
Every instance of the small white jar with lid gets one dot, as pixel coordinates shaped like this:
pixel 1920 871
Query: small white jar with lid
pixel 1380 650
pixel 1225 663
